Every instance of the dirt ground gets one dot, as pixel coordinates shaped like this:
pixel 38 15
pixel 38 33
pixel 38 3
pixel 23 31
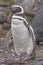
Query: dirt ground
pixel 8 56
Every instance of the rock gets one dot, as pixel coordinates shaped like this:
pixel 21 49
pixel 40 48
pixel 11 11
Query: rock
pixel 9 2
pixel 39 51
pixel 2 17
pixel 41 3
pixel 37 25
pixel 0 26
pixel 4 3
pixel 3 33
pixel 5 14
pixel 6 26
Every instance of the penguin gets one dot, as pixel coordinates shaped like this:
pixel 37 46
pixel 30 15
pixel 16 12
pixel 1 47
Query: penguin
pixel 22 36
